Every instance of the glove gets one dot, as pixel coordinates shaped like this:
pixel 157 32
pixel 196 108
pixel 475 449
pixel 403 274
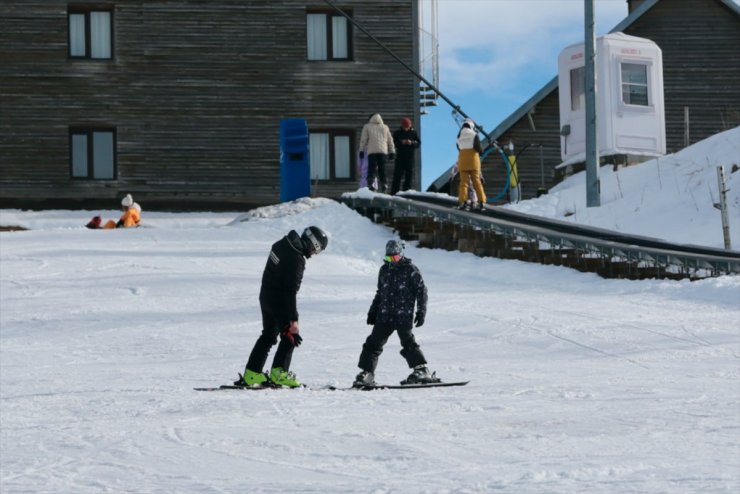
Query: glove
pixel 391 157
pixel 370 319
pixel 291 334
pixel 294 338
pixel 419 319
pixel 362 155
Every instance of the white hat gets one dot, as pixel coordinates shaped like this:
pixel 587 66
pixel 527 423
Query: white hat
pixel 127 201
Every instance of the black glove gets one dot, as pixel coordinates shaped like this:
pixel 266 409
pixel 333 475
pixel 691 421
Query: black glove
pixel 294 338
pixel 419 319
pixel 371 319
pixel 362 155
pixel 391 157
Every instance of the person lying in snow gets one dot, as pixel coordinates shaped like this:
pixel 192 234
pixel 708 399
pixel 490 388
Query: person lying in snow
pixel 131 216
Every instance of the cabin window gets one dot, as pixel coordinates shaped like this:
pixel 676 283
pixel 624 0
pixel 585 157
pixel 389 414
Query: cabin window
pixel 331 155
pixel 93 153
pixel 90 33
pixel 577 89
pixel 635 84
pixel 328 36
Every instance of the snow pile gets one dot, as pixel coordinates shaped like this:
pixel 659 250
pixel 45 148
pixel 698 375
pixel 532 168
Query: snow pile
pixel 671 197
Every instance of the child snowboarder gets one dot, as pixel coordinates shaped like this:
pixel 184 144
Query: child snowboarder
pixel 281 281
pixel 400 287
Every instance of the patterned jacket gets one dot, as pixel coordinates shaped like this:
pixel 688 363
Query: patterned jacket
pixel 400 287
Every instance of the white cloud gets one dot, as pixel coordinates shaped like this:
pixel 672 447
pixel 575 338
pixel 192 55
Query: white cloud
pixel 487 45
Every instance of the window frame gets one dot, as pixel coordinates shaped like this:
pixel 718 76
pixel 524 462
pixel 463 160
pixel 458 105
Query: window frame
pixel 333 133
pixel 647 65
pixel 89 132
pixel 579 103
pixel 86 11
pixel 329 16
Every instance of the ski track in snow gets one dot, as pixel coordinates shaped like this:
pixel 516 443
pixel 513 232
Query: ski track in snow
pixel 578 384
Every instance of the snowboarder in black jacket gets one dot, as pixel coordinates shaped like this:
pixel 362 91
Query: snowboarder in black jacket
pixel 281 281
pixel 407 141
pixel 400 288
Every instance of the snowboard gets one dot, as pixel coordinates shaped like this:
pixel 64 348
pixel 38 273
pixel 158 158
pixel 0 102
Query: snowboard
pixel 227 387
pixel 400 386
pixel 224 387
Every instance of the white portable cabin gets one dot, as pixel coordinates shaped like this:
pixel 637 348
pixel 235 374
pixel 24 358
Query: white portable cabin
pixel 630 115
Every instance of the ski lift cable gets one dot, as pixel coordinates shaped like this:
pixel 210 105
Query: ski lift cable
pixel 492 143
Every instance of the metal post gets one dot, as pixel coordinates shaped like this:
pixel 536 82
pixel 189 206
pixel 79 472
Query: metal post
pixel 593 186
pixel 686 135
pixel 723 206
pixel 542 169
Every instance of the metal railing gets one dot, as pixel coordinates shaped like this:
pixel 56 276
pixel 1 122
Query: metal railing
pixel 537 239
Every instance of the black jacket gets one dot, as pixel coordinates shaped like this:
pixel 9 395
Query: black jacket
pixel 400 286
pixel 282 278
pixel 406 151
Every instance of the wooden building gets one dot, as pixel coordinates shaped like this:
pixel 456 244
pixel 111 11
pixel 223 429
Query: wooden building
pixel 700 41
pixel 179 102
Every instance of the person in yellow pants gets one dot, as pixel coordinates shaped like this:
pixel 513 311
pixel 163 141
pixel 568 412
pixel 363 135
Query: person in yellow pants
pixel 515 191
pixel 468 163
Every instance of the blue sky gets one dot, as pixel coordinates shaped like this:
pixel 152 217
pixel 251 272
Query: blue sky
pixel 494 55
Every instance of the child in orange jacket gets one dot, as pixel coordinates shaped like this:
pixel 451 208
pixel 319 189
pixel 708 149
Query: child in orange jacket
pixel 131 214
pixel 130 218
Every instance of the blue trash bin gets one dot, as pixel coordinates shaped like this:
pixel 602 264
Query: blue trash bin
pixel 295 164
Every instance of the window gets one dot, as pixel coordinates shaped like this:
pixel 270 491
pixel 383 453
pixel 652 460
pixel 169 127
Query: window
pixel 331 155
pixel 90 33
pixel 328 36
pixel 578 88
pixel 93 153
pixel 635 84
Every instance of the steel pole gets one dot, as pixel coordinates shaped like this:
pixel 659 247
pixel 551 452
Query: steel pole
pixel 593 185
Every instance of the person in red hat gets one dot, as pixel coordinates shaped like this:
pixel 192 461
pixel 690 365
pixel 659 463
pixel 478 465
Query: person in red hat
pixel 406 140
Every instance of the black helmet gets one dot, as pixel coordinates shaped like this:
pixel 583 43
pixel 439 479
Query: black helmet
pixel 394 248
pixel 314 240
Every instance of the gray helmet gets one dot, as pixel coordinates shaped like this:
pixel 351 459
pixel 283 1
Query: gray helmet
pixel 394 248
pixel 314 240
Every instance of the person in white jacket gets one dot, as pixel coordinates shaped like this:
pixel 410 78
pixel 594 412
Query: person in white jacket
pixel 468 164
pixel 377 141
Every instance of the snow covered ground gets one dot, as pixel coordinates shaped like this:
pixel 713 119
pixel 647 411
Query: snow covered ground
pixel 671 197
pixel 578 384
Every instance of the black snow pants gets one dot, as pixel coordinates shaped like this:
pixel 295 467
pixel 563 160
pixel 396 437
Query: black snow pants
pixel 376 167
pixel 403 169
pixel 373 347
pixel 270 331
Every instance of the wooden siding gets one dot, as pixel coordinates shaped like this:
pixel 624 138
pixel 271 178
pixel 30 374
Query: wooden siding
pixel 195 91
pixel 701 67
pixel 700 40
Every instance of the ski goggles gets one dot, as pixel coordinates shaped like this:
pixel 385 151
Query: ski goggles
pixel 392 259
